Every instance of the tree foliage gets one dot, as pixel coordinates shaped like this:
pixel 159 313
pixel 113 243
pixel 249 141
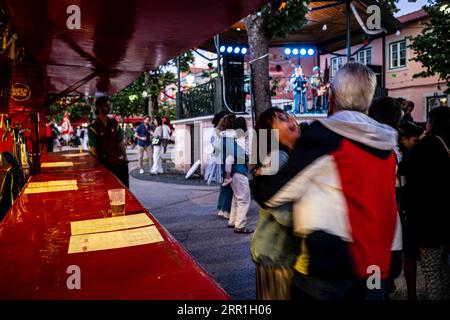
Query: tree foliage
pixel 77 106
pixel 389 6
pixel 132 100
pixel 283 17
pixel 432 46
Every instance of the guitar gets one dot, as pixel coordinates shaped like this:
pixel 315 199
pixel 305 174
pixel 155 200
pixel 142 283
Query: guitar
pixel 299 84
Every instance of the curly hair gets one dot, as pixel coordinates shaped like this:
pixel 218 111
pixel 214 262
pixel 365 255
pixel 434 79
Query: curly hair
pixel 226 122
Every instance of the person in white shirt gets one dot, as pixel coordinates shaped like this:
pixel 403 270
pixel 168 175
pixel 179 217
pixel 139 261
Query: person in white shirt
pixel 157 147
pixel 166 132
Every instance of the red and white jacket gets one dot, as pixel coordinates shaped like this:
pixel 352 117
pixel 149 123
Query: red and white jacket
pixel 341 179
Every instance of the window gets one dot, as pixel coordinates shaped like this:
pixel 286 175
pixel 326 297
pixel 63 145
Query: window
pixel 436 101
pixel 336 64
pixel 365 56
pixel 397 54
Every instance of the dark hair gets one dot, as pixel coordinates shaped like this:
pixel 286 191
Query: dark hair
pixel 158 120
pixel 401 101
pixel 439 119
pixel 265 122
pixel 99 101
pixel 408 106
pixel 218 116
pixel 240 123
pixel 226 122
pixel 146 117
pixel 386 110
pixel 409 129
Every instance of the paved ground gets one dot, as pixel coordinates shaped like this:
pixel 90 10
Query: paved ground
pixel 188 213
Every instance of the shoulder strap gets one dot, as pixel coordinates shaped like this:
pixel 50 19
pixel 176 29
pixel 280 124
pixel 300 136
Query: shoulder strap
pixel 444 144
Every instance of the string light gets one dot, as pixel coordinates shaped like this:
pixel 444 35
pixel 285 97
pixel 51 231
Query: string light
pixel 301 51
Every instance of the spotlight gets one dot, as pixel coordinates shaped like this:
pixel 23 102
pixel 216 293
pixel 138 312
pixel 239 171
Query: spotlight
pixel 287 51
pixel 303 51
pixel 397 33
pixel 325 27
pixel 295 51
pixel 237 50
pixel 310 52
pixel 230 49
pixel 222 48
pixel 244 50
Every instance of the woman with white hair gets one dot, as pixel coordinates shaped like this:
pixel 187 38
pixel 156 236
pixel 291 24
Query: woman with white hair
pixel 340 178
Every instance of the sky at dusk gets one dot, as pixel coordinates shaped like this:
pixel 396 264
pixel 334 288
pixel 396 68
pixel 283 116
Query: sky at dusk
pixel 406 7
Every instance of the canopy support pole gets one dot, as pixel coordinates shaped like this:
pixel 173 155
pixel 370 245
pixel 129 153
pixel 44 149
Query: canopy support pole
pixel 348 13
pixel 73 87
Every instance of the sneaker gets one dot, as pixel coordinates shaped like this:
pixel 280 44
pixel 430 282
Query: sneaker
pixel 230 225
pixel 226 182
pixel 223 214
pixel 141 171
pixel 243 230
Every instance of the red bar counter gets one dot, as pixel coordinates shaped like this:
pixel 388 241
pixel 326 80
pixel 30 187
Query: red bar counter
pixel 34 241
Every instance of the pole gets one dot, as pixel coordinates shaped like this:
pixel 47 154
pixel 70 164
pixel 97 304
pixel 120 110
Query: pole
pixel 179 114
pixel 35 147
pixel 218 104
pixel 348 12
pixel 217 44
pixel 383 71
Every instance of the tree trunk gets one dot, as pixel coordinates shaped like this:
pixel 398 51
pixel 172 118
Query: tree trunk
pixel 153 110
pixel 259 46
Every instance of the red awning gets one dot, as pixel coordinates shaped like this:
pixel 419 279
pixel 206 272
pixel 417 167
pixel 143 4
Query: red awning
pixel 118 39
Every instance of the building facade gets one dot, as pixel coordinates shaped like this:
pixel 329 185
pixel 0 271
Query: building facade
pixel 399 68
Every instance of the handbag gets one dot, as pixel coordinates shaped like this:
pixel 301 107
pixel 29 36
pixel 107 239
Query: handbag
pixel 156 141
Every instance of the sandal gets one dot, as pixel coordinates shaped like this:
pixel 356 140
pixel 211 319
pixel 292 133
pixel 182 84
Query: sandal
pixel 243 230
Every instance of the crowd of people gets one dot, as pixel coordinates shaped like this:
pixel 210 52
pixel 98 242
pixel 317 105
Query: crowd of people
pixel 108 141
pixel 61 135
pixel 351 201
pixel 346 202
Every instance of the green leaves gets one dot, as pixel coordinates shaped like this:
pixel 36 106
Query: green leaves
pixel 132 99
pixel 389 6
pixel 283 17
pixel 432 47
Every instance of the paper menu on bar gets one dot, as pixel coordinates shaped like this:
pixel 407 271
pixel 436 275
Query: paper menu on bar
pixel 114 240
pixel 56 164
pixel 110 224
pixel 52 183
pixel 75 155
pixel 46 189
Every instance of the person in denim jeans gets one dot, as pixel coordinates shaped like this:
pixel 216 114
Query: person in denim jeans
pixel 225 194
pixel 235 168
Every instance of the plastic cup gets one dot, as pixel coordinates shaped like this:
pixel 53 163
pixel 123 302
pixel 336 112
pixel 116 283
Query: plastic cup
pixel 117 201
